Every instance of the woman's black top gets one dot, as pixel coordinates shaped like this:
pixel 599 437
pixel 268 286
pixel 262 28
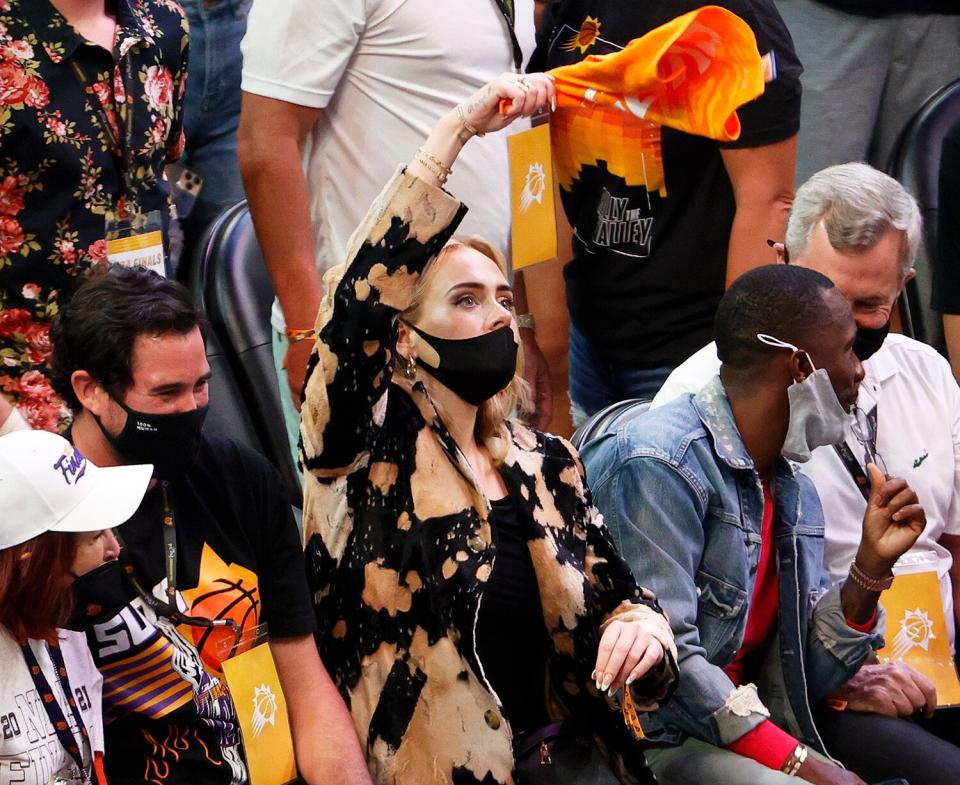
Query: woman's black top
pixel 511 638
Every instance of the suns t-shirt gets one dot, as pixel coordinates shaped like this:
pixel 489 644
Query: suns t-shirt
pixel 650 259
pixel 168 714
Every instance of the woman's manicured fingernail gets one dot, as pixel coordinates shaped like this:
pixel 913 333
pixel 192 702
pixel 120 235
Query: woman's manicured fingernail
pixel 553 104
pixel 598 679
pixel 631 679
pixel 607 681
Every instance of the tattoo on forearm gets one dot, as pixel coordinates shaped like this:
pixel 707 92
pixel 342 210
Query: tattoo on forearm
pixel 472 106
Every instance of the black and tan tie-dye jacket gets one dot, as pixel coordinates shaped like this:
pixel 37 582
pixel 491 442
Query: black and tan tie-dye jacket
pixel 399 545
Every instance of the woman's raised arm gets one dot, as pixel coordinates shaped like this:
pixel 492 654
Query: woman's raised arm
pixel 407 225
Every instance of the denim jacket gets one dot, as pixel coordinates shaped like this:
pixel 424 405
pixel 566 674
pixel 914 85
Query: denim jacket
pixel 681 496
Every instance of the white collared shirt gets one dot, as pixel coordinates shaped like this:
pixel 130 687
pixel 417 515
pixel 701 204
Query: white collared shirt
pixel 918 438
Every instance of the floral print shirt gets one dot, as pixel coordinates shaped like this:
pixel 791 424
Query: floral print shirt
pixel 65 104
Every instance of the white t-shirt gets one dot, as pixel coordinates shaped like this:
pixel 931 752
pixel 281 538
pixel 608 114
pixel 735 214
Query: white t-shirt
pixel 385 71
pixel 918 438
pixel 30 751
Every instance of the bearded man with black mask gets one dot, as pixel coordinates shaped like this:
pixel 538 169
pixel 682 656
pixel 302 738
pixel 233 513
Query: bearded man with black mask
pixel 212 552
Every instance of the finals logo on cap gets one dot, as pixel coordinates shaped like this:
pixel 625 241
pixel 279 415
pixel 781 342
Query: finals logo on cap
pixel 46 484
pixel 72 465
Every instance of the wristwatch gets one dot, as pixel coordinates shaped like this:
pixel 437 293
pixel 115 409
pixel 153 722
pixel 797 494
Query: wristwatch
pixel 792 765
pixel 525 321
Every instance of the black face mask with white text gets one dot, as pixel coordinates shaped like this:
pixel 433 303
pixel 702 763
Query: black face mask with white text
pixel 477 368
pixel 169 441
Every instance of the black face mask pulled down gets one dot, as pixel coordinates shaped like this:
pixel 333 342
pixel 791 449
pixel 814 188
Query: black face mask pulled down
pixel 477 368
pixel 169 441
pixel 869 340
pixel 99 595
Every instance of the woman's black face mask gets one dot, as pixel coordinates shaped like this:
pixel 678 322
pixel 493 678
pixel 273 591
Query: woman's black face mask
pixel 477 368
pixel 99 595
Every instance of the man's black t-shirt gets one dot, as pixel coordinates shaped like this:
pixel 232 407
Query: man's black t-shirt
pixel 648 269
pixel 168 715
pixel 946 260
pixel 887 7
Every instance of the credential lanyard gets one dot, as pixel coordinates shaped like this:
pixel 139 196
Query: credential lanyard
pixel 507 9
pixel 52 706
pixel 852 464
pixel 169 545
pixel 123 148
pixel 170 609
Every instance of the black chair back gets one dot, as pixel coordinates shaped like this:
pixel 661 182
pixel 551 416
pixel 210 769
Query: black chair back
pixel 231 280
pixel 608 420
pixel 916 163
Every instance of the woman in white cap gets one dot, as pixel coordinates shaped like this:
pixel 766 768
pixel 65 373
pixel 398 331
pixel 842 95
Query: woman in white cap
pixel 57 555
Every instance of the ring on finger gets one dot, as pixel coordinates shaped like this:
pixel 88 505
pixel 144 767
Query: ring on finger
pixel 523 84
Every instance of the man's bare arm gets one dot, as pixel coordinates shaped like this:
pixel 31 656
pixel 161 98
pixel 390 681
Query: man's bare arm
pixel 762 180
pixel 324 739
pixel 270 140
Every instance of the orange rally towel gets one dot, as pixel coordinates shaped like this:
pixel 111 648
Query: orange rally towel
pixel 690 74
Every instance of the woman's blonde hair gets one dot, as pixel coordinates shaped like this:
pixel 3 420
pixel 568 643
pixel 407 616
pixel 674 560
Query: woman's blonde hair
pixel 491 429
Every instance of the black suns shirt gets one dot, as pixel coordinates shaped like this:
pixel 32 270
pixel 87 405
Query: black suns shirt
pixel 649 265
pixel 168 713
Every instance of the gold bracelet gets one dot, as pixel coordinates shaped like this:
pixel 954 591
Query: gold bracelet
pixel 469 128
pixel 792 765
pixel 868 582
pixel 295 336
pixel 438 162
pixel 433 165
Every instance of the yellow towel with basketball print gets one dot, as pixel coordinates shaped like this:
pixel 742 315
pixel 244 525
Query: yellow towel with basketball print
pixel 917 631
pixel 690 74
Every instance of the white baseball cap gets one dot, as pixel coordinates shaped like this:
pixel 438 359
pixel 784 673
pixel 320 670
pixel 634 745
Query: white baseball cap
pixel 47 485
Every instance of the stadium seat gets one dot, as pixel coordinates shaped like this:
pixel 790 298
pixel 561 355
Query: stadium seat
pixel 227 274
pixel 609 419
pixel 916 163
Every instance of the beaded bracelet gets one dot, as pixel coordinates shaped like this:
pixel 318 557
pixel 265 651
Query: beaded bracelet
pixel 868 582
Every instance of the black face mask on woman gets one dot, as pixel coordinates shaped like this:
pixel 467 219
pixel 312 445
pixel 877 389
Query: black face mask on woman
pixel 99 595
pixel 476 369
pixel 169 441
pixel 869 340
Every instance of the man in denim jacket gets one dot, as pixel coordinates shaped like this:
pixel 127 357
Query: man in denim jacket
pixel 730 537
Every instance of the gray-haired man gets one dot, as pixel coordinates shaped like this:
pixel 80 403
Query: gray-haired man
pixel 861 229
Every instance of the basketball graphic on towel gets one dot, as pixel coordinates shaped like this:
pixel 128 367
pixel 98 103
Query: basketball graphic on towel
pixel 224 591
